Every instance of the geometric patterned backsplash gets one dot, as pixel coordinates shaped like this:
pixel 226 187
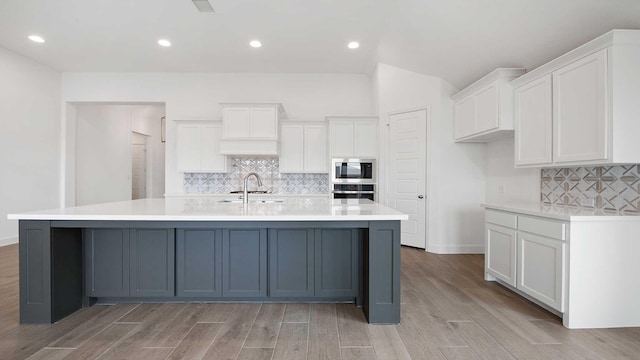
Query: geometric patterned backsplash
pixel 268 169
pixel 603 187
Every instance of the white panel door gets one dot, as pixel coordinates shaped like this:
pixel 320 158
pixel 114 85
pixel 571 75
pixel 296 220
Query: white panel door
pixel 533 122
pixel 237 122
pixel 579 114
pixel 188 147
pixel 464 117
pixel 501 253
pixel 212 161
pixel 487 106
pixel 365 139
pixel 407 173
pixel 291 148
pixel 540 268
pixel 315 149
pixel 264 123
pixel 341 133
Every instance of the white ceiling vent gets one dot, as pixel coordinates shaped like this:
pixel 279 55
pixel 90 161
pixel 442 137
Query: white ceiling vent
pixel 203 5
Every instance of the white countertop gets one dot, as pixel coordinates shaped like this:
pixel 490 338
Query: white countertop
pixel 211 209
pixel 568 213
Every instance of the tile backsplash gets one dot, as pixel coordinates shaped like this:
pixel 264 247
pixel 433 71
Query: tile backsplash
pixel 267 168
pixel 603 187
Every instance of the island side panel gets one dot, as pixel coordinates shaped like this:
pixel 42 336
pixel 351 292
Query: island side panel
pixel 382 298
pixel 35 272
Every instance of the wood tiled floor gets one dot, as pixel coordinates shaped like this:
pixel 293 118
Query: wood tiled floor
pixel 449 312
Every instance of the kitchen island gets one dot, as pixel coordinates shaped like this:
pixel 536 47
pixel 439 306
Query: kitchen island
pixel 208 249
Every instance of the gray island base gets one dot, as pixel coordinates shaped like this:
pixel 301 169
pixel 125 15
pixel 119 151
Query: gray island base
pixel 69 264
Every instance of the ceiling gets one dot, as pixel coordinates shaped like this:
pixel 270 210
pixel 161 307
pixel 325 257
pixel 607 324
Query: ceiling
pixel 458 40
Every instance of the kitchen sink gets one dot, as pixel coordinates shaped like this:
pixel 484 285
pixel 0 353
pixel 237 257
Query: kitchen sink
pixel 256 201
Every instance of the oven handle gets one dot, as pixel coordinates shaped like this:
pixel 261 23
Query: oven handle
pixel 353 192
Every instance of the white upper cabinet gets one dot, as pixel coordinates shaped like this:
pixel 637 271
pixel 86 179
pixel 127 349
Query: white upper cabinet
pixel 484 110
pixel 353 137
pixel 532 116
pixel 250 129
pixel 580 126
pixel 197 147
pixel 315 148
pixel 582 108
pixel 464 111
pixel 303 147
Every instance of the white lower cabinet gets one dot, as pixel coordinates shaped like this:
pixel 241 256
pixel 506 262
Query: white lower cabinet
pixel 527 253
pixel 541 268
pixel 501 253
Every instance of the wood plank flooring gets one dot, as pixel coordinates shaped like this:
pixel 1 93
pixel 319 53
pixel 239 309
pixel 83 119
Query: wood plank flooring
pixel 448 312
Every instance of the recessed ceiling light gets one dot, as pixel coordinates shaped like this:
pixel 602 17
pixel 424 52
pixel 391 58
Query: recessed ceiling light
pixel 36 38
pixel 353 45
pixel 203 5
pixel 164 42
pixel 255 43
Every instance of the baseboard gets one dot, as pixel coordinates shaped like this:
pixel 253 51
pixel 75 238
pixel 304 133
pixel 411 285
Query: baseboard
pixel 455 249
pixel 9 241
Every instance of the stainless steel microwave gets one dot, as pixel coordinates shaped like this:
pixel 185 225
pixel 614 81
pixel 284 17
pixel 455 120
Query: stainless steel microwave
pixel 359 171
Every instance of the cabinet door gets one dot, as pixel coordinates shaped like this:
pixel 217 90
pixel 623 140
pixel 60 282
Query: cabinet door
pixel 541 269
pixel 107 262
pixel 487 114
pixel 152 262
pixel 579 114
pixel 315 149
pixel 212 161
pixel 188 147
pixel 264 122
pixel 292 148
pixel 464 117
pixel 336 263
pixel 199 262
pixel 341 133
pixel 532 122
pixel 236 123
pixel 501 253
pixel 291 262
pixel 244 273
pixel 365 139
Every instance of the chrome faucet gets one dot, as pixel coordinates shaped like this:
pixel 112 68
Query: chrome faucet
pixel 245 190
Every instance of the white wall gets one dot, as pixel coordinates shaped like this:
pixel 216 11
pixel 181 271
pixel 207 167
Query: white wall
pixel 103 154
pixel 29 139
pixel 455 172
pixel 196 96
pixel 103 151
pixel 520 185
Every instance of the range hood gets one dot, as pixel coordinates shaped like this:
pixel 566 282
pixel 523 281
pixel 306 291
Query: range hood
pixel 250 147
pixel 251 128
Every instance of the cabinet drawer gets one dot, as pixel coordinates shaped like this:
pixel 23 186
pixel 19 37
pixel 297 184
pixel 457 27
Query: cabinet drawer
pixel 501 218
pixel 549 228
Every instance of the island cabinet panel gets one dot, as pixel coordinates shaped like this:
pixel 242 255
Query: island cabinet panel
pixel 244 271
pixel 199 262
pixel 152 262
pixel 107 262
pixel 291 262
pixel 336 262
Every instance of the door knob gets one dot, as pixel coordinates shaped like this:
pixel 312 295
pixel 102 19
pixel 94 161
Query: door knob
pixel 420 196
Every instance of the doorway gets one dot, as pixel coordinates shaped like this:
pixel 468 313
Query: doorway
pixel 407 182
pixel 105 162
pixel 138 166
